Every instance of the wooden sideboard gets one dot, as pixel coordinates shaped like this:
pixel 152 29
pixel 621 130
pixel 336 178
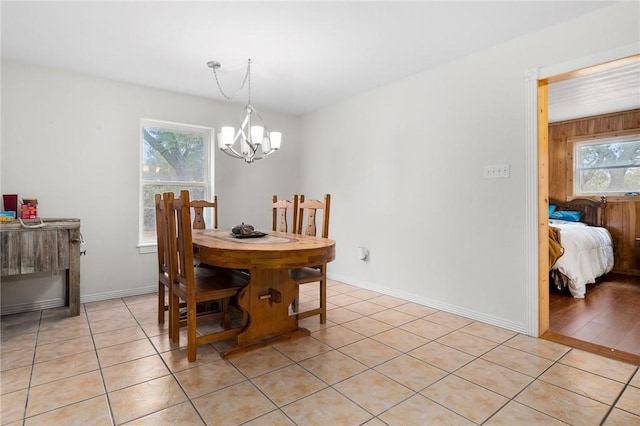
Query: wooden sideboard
pixel 52 247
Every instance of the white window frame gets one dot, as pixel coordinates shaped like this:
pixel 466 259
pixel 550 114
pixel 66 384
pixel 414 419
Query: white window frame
pixel 596 140
pixel 147 245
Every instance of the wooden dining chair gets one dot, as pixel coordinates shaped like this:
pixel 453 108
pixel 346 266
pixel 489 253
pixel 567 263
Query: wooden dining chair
pixel 218 284
pixel 280 209
pixel 163 273
pixel 307 218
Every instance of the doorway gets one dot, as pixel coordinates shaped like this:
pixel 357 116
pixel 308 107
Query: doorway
pixel 543 101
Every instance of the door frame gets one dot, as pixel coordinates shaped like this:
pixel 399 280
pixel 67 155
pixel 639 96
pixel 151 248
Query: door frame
pixel 537 175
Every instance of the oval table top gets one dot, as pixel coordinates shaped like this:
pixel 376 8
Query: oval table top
pixel 277 250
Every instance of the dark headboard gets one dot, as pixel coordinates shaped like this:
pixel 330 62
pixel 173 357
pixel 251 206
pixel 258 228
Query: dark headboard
pixel 593 212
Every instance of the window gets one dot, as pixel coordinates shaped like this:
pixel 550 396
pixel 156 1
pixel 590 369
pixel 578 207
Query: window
pixel 607 166
pixel 174 157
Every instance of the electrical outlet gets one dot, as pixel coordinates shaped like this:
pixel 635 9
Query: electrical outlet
pixel 496 171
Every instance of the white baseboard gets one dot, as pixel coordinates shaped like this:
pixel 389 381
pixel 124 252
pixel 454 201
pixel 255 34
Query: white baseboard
pixel 56 303
pixel 409 297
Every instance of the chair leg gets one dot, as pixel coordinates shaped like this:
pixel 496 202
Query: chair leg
pixel 161 308
pixel 174 318
pixel 192 343
pixel 323 300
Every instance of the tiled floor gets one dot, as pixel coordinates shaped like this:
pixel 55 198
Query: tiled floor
pixel 378 360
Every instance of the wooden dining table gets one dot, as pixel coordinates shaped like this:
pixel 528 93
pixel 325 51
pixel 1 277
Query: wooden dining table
pixel 267 297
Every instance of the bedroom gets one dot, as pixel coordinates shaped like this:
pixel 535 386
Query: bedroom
pixel 595 306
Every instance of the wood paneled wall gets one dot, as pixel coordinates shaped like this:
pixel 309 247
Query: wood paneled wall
pixel 622 213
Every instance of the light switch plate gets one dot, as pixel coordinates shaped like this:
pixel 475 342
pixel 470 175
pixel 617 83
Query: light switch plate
pixel 496 171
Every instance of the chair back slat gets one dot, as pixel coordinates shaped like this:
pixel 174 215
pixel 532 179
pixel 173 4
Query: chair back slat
pixel 198 207
pixel 307 214
pixel 280 208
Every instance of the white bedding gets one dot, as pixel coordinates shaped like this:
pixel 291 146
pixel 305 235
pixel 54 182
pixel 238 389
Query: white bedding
pixel 588 254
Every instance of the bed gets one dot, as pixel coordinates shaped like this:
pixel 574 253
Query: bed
pixel 580 247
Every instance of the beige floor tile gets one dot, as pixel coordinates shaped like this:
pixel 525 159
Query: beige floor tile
pixel 133 372
pixel 327 407
pixel 630 400
pixel 60 368
pixel 19 328
pixel 393 317
pixel 635 381
pixel 420 411
pixel 499 379
pixel 375 422
pixel 15 379
pixel 333 367
pixel 177 415
pixel 13 406
pixel 340 287
pixel 444 357
pixel 400 340
pixel 115 337
pixel 341 315
pixel 488 332
pixel 288 384
pixel 24 317
pixel 60 312
pixel 365 294
pixel 539 347
pixel 236 404
pixel 367 326
pixel 143 299
pixel 515 359
pixel 562 404
pixel 373 391
pixel 163 343
pixel 415 309
pixel 467 343
pixel 110 324
pixel 145 398
pixel 597 364
pixel 621 418
pixel 104 304
pixel 337 336
pixel 208 378
pixel 94 411
pixel 584 383
pixel 154 328
pixel 64 392
pixel 53 351
pixel 17 342
pixel 62 335
pixel 411 372
pixel 120 312
pixel 386 300
pixel 365 308
pixel 177 359
pixel 65 322
pixel 274 418
pixel 313 323
pixel 261 361
pixel 342 299
pixel 303 348
pixel 16 359
pixel 465 398
pixel 448 319
pixel 124 352
pixel 370 352
pixel 428 330
pixel 515 413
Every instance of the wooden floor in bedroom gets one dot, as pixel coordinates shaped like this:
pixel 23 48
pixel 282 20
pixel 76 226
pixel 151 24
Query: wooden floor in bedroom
pixel 606 321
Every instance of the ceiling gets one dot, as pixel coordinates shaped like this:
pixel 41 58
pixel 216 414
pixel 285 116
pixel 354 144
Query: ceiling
pixel 305 55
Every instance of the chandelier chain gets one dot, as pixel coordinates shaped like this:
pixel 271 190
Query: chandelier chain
pixel 247 79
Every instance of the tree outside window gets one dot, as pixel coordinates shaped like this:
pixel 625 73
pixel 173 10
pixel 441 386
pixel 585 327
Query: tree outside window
pixel 174 157
pixel 608 166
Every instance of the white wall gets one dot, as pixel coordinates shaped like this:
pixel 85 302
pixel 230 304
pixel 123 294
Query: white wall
pixel 404 164
pixel 73 142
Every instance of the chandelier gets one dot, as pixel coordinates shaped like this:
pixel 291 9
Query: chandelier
pixel 252 141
